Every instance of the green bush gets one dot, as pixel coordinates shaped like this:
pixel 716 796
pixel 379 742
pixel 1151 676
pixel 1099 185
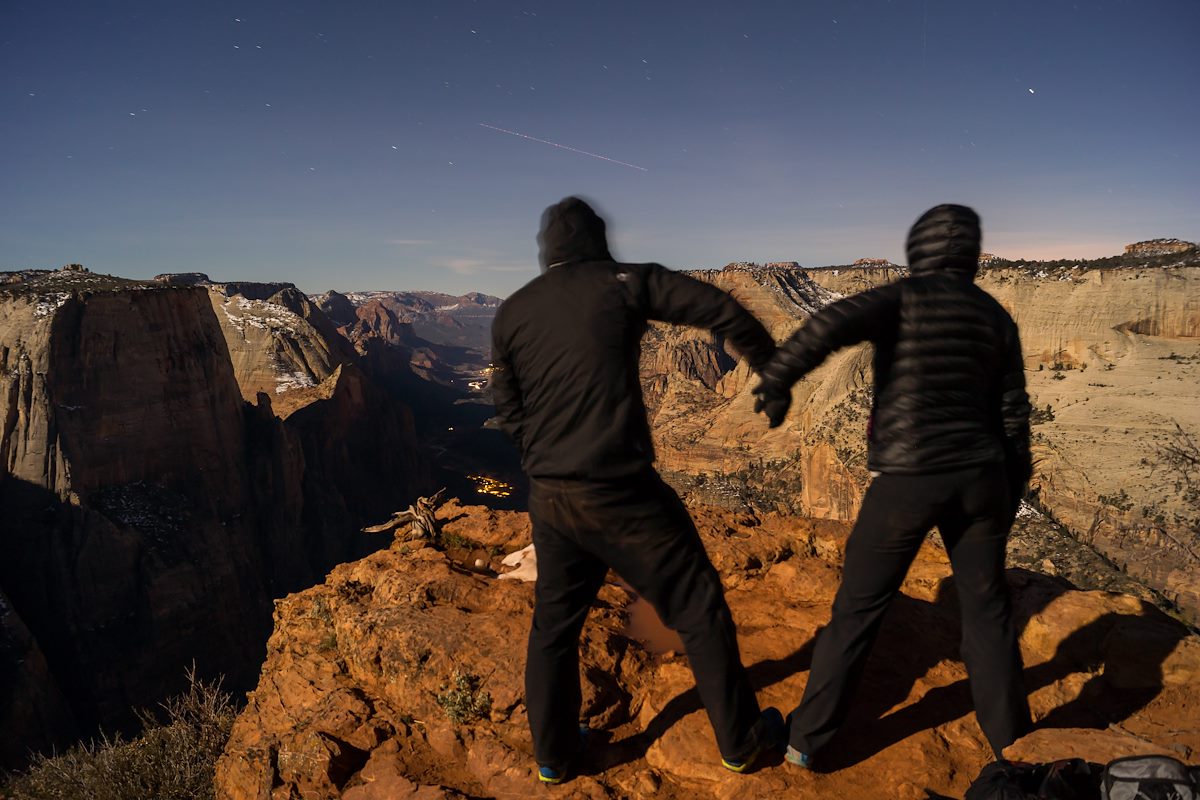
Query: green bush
pixel 171 760
pixel 465 700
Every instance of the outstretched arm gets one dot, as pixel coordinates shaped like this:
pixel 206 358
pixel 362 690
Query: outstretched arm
pixel 674 297
pixel 506 392
pixel 861 317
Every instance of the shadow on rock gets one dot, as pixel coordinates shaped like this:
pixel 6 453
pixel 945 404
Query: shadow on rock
pixel 762 674
pixel 1124 651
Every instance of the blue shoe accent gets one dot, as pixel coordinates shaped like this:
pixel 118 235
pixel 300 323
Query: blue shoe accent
pixel 552 776
pixel 794 756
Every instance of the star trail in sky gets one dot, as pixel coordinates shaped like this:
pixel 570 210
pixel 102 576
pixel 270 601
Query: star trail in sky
pixel 363 145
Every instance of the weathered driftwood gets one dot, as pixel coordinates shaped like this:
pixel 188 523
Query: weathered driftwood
pixel 415 522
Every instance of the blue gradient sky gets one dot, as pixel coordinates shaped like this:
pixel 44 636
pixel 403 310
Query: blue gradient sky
pixel 338 144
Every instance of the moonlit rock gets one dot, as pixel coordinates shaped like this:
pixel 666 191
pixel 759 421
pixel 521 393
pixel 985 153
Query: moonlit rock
pixel 524 563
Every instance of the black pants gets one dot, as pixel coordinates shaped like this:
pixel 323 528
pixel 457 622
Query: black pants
pixel 640 529
pixel 972 512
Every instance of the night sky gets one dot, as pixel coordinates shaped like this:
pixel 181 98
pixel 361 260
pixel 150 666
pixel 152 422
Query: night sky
pixel 345 144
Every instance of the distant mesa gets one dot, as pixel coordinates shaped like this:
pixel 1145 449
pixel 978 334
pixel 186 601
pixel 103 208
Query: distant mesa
pixel 183 279
pixel 73 268
pixel 750 266
pixel 1159 247
pixel 879 263
pixel 251 290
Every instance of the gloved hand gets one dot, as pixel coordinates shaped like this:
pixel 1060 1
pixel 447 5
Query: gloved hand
pixel 773 399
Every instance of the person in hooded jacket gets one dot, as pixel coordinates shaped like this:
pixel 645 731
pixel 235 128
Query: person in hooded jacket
pixel 948 443
pixel 565 351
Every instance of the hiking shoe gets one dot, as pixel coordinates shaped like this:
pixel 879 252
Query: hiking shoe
pixel 794 756
pixel 554 776
pixel 772 737
pixel 551 775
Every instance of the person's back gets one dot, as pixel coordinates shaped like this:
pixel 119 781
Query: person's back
pixel 949 386
pixel 573 335
pixel 565 385
pixel 949 446
pixel 565 349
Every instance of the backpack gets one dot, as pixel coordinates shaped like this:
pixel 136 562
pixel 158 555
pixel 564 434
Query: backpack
pixel 1129 778
pixel 1069 779
pixel 1149 778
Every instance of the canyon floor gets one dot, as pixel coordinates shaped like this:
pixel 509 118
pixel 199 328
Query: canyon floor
pixel 367 673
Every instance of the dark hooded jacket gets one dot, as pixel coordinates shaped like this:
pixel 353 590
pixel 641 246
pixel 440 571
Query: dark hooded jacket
pixel 565 349
pixel 949 377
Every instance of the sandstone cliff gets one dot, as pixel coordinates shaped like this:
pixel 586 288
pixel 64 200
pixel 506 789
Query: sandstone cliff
pixel 150 515
pixel 278 344
pixel 401 676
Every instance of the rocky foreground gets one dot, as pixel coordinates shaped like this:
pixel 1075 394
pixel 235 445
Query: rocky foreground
pixel 401 677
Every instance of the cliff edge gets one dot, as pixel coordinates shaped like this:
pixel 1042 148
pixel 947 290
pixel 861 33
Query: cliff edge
pixel 401 676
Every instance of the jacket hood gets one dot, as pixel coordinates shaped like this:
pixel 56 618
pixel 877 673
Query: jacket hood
pixel 571 231
pixel 946 239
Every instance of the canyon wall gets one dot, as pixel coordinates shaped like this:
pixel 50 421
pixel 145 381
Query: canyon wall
pixel 1113 365
pixel 150 514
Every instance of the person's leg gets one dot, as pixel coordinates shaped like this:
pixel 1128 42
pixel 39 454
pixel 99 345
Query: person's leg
pixel 975 531
pixel 896 513
pixel 649 539
pixel 567 582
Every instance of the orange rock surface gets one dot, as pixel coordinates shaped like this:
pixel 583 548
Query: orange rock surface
pixel 348 700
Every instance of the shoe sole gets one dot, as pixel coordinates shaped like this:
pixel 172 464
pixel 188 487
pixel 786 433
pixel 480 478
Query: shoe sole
pixel 741 767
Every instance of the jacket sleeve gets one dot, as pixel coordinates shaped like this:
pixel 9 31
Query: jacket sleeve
pixel 506 392
pixel 671 296
pixel 866 316
pixel 1015 409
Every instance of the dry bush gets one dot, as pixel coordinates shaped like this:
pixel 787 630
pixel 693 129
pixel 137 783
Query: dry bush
pixel 1180 457
pixel 171 760
pixel 465 700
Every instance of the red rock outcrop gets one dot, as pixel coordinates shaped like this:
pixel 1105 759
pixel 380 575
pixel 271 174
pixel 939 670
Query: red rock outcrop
pixel 365 672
